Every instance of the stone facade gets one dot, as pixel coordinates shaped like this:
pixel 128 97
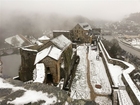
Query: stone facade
pixel 81 32
pixel 59 32
pixel 27 64
pixel 55 68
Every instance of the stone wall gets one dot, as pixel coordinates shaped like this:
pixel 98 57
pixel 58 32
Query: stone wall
pixel 124 66
pixel 130 92
pixel 65 33
pixel 27 65
pixel 53 68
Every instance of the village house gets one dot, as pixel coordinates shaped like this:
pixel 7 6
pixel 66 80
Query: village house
pixel 18 41
pixel 59 32
pixel 81 32
pixel 56 57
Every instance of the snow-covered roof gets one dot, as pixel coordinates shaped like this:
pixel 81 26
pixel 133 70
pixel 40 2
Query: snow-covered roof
pixel 55 53
pixel 29 49
pixel 60 31
pixel 51 51
pixel 40 73
pixel 85 26
pixel 61 42
pixel 39 43
pixel 42 54
pixel 44 37
pixel 15 41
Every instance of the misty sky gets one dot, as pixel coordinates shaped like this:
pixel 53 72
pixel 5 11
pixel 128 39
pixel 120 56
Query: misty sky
pixel 92 9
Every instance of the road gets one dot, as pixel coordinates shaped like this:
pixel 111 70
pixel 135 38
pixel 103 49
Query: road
pixel 125 47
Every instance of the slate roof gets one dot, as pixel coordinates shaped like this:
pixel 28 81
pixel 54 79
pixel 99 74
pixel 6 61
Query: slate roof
pixel 61 42
pixel 85 26
pixel 51 51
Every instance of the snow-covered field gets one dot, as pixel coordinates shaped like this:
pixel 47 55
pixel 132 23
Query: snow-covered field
pixel 98 74
pixel 28 96
pixel 103 100
pixel 80 88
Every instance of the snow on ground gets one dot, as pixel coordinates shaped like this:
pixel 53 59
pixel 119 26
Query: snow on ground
pixel 138 47
pixel 39 73
pixel 124 98
pixel 4 84
pixel 103 100
pixel 29 95
pixel 34 97
pixel 115 72
pixel 98 74
pixel 80 89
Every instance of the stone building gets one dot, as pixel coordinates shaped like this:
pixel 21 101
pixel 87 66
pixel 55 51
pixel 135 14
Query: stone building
pixel 59 32
pixel 57 55
pixel 81 32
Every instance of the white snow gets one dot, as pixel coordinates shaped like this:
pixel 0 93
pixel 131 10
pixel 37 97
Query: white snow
pixel 16 37
pixel 51 51
pixel 24 48
pixel 61 42
pixel 124 98
pixel 29 95
pixel 137 46
pixel 103 100
pixel 55 53
pixel 4 84
pixel 115 72
pixel 42 54
pixel 44 37
pixel 34 96
pixel 98 74
pixel 40 73
pixel 38 43
pixel 118 81
pixel 80 89
pixel 85 26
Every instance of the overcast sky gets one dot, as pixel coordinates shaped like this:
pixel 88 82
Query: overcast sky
pixel 103 9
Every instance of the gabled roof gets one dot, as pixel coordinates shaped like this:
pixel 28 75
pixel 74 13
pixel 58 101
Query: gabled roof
pixel 42 54
pixel 61 42
pixel 55 53
pixel 51 51
pixel 17 41
pixel 44 38
pixel 85 26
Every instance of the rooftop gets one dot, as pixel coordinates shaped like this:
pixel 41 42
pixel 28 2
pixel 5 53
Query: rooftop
pixel 61 42
pixel 85 26
pixel 51 51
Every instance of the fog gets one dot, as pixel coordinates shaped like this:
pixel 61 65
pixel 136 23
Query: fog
pixel 103 9
pixel 33 17
pixel 30 17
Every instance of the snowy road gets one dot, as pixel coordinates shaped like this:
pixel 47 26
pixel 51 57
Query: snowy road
pixel 80 88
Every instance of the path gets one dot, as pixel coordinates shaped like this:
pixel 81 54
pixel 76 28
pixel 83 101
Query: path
pixel 92 93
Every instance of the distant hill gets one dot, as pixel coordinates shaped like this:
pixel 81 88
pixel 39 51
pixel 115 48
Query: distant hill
pixel 134 17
